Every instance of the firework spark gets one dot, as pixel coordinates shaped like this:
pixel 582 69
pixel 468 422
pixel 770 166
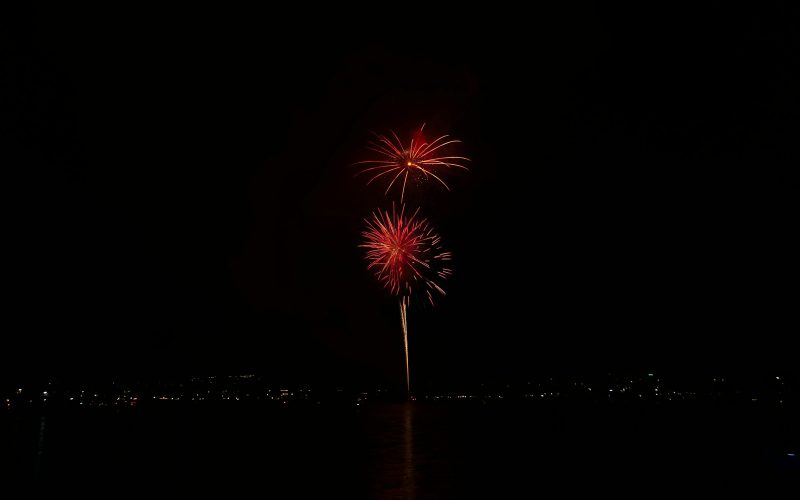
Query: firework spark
pixel 418 161
pixel 405 253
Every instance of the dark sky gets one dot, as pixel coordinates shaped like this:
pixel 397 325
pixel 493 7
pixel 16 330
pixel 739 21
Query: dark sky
pixel 183 201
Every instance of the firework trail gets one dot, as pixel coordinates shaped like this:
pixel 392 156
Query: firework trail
pixel 404 324
pixel 406 255
pixel 419 160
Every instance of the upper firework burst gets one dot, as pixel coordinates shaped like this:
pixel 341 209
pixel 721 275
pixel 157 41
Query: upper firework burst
pixel 405 253
pixel 418 161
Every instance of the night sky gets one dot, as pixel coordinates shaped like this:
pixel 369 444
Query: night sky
pixel 181 200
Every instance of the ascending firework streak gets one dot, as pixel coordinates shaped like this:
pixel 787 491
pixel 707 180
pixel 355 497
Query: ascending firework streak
pixel 419 159
pixel 405 254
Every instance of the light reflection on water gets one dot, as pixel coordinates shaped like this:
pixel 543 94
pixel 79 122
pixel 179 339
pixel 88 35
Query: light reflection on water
pixel 394 464
pixel 39 448
pixel 409 485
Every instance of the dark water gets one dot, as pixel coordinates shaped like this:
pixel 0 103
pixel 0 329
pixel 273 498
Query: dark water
pixel 403 451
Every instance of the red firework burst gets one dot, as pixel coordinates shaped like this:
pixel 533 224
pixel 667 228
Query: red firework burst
pixel 405 253
pixel 418 161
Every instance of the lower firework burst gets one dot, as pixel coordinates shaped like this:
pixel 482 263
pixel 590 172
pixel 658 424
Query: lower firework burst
pixel 405 253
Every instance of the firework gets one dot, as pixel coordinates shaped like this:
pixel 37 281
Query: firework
pixel 418 161
pixel 405 254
